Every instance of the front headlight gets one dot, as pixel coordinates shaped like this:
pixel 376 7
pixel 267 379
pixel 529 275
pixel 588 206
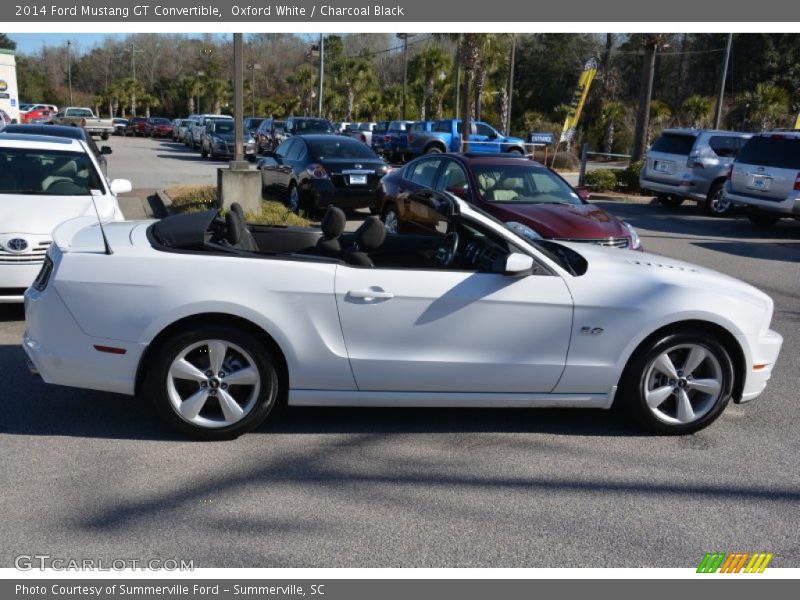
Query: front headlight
pixel 523 230
pixel 251 140
pixel 636 243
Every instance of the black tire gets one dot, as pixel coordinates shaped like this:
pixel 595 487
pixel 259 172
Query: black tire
pixel 714 204
pixel 104 136
pixel 635 379
pixel 761 219
pixel 204 152
pixel 155 385
pixel 516 151
pixel 433 150
pixel 670 200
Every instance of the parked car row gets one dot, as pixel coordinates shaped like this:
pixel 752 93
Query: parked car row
pixel 724 169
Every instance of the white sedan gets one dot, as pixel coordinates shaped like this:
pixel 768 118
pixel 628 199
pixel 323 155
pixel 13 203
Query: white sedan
pixel 216 321
pixel 45 181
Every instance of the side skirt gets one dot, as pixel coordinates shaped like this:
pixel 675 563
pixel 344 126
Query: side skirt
pixel 448 399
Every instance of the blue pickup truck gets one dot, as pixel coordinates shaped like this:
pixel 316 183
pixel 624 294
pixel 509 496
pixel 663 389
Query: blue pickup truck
pixel 445 136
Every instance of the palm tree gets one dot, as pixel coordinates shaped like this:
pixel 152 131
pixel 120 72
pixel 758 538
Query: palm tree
pixel 217 91
pixel 650 42
pixel 303 80
pixel 430 66
pixel 470 57
pixel 491 55
pixel 697 110
pixel 149 102
pixel 612 113
pixel 765 105
pixel 353 75
pixel 191 87
pixel 659 115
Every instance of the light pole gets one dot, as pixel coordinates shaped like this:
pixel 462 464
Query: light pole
pixel 197 88
pixel 722 77
pixel 404 37
pixel 133 50
pixel 69 69
pixel 253 67
pixel 238 103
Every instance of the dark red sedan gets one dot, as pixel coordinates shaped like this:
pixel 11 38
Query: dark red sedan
pixel 530 198
pixel 158 127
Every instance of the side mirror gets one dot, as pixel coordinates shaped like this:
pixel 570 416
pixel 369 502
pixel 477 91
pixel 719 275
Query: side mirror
pixel 120 186
pixel 583 193
pixel 516 264
pixel 106 150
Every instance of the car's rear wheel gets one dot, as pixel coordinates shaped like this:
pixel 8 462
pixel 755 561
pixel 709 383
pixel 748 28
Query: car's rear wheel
pixel 677 383
pixel 516 151
pixel 716 203
pixel 763 219
pixel 203 152
pixel 213 382
pixel 294 198
pixel 670 200
pixel 433 150
pixel 391 218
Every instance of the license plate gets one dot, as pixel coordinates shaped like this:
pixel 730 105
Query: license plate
pixel 761 183
pixel 358 179
pixel 661 166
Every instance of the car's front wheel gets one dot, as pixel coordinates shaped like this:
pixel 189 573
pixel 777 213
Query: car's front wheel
pixel 677 383
pixel 213 382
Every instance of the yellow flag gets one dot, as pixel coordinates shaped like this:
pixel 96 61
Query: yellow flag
pixel 797 122
pixel 578 100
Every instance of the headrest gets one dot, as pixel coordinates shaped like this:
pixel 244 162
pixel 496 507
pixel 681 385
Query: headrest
pixel 68 169
pixel 370 235
pixel 333 223
pixel 237 208
pixel 511 183
pixel 234 229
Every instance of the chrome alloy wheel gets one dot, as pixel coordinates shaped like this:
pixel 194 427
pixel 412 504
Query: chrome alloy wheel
pixel 683 384
pixel 391 220
pixel 719 204
pixel 294 199
pixel 213 384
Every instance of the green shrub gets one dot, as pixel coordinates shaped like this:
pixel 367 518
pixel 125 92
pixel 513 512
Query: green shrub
pixel 628 178
pixel 602 180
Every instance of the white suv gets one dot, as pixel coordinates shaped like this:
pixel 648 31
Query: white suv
pixel 765 177
pixel 46 180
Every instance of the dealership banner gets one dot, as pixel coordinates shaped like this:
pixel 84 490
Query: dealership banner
pixel 394 589
pixel 578 100
pixel 343 11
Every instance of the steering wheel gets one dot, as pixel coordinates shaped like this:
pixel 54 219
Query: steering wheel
pixel 447 251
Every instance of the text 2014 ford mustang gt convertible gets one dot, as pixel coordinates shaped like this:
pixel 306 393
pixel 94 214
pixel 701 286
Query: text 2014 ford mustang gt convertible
pixel 216 320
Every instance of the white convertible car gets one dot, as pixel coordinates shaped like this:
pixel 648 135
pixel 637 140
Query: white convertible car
pixel 216 321
pixel 44 181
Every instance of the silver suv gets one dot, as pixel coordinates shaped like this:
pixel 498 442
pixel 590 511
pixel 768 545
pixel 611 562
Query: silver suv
pixel 692 164
pixel 766 177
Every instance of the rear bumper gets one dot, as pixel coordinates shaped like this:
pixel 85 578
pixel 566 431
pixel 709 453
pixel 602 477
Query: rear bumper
pixel 62 354
pixel 687 190
pixel 343 198
pixel 789 207
pixel 765 348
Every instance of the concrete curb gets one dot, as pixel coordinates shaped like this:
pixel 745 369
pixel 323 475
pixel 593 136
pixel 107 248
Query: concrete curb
pixel 162 205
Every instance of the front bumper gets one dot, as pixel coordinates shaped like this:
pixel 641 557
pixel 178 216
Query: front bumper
pixel 62 354
pixel 789 206
pixel 14 279
pixel 765 348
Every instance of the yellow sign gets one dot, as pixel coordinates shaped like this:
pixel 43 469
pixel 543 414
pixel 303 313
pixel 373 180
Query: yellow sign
pixel 797 122
pixel 578 100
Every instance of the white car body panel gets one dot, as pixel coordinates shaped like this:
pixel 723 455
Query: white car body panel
pixel 445 338
pixel 33 218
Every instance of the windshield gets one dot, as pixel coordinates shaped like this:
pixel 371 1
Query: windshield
pixel 771 151
pixel 160 121
pixel 80 112
pixel 672 143
pixel 223 127
pixel 339 147
pixel 522 184
pixel 312 126
pixel 255 123
pixel 47 173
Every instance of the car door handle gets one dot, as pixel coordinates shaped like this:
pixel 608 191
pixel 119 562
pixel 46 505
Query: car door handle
pixel 370 294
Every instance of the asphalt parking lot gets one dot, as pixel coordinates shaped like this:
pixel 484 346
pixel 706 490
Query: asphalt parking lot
pixel 88 474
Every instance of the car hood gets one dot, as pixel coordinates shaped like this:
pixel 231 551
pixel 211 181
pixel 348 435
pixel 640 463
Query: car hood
pixel 21 213
pixel 650 276
pixel 582 221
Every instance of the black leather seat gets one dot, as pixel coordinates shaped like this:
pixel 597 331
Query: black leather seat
pixel 332 225
pixel 236 231
pixel 368 237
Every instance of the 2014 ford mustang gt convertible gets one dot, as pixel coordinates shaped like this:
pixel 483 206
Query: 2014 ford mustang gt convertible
pixel 217 320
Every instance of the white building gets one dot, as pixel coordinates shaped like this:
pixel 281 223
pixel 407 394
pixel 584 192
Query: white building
pixel 9 96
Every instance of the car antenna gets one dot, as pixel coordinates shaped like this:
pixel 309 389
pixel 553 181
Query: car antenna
pixel 100 222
